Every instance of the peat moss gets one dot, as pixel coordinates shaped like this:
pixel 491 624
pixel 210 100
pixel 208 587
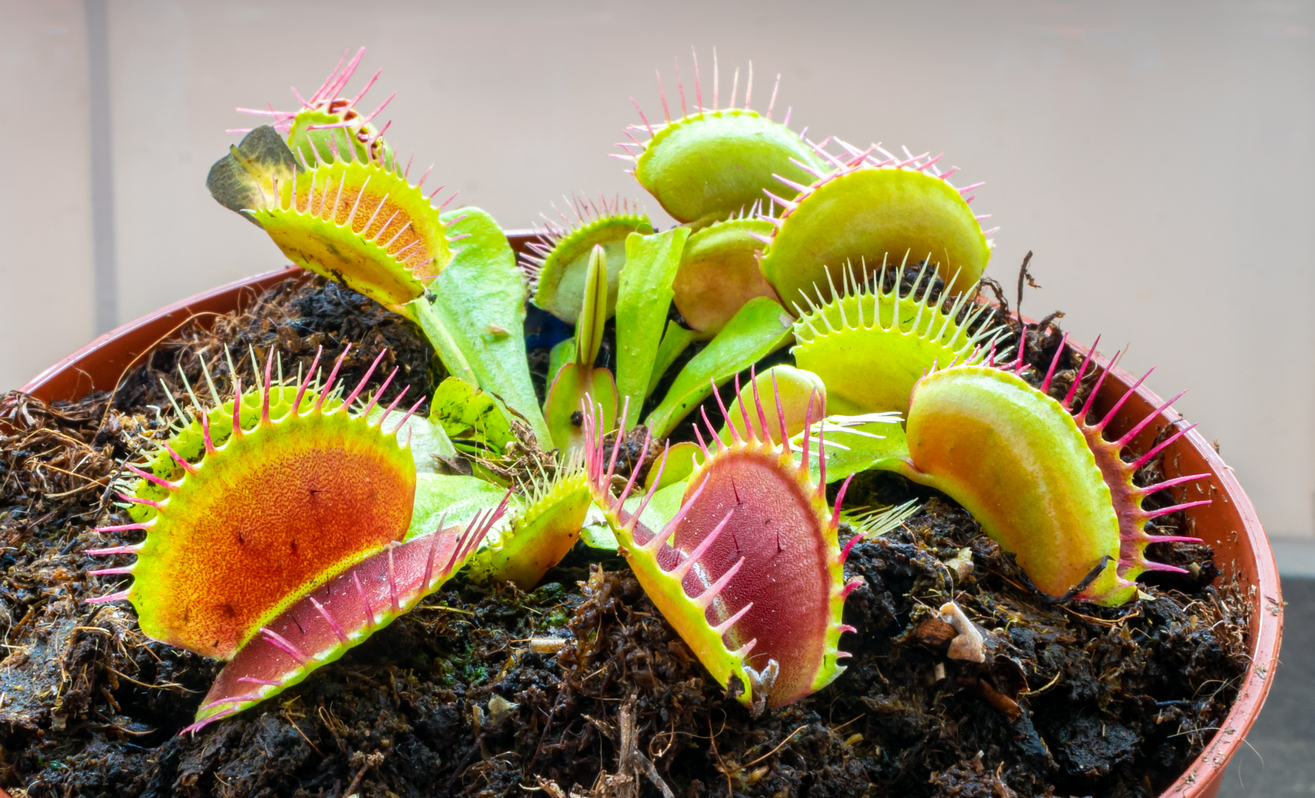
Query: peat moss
pixel 451 700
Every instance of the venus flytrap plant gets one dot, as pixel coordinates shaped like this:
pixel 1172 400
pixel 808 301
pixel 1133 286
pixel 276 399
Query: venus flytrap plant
pixel 478 423
pixel 1031 482
pixel 454 499
pixel 1040 478
pixel 715 162
pixel 674 343
pixel 578 382
pixel 869 344
pixel 800 398
pixel 480 300
pixel 543 518
pixel 748 570
pixel 642 301
pixel 855 442
pixel 188 432
pixel 362 224
pixel 350 221
pixel 869 209
pixel 558 263
pixel 648 343
pixel 350 606
pixel 711 274
pixel 244 180
pixel 220 559
pixel 327 123
pixel 644 351
pixel 287 524
pixel 307 527
pixel 545 522
pixel 351 214
pixel 719 272
pixel 759 328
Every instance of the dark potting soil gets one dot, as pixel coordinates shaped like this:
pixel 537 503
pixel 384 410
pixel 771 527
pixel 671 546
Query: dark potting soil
pixel 452 699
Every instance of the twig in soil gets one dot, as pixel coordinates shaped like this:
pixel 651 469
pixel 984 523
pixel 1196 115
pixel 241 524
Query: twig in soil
pixel 1053 682
pixel 330 720
pixel 777 748
pixel 850 722
pixel 546 786
pixel 166 686
pixel 1102 621
pixel 31 611
pixel 74 491
pixel 288 715
pixel 442 607
pixel 91 483
pixel 110 725
pixel 1023 275
pixel 721 763
pixel 373 760
pixel 631 759
pixel 109 488
pixel 547 726
pixel 1002 789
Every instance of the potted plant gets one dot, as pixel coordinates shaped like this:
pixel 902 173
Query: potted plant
pixel 983 603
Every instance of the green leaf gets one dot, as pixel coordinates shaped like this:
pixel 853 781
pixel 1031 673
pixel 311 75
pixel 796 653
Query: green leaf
pixel 758 329
pixel 566 396
pixel 673 344
pixel 877 445
pixel 560 355
pixel 439 334
pixel 593 314
pixel 661 508
pixel 473 420
pixel 428 441
pixel 674 465
pixel 452 498
pixel 578 378
pixel 641 310
pixel 479 300
pixel 596 532
pixel 789 398
pixel 312 142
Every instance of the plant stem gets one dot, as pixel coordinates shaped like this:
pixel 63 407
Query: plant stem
pixel 422 313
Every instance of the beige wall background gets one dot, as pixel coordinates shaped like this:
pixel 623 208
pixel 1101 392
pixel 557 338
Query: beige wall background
pixel 1156 156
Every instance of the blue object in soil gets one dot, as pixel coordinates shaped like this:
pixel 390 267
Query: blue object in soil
pixel 544 330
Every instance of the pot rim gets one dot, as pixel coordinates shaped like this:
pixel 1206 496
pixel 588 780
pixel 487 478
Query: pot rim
pixel 70 379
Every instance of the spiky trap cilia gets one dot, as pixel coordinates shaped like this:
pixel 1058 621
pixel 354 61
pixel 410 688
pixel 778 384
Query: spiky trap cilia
pixel 748 570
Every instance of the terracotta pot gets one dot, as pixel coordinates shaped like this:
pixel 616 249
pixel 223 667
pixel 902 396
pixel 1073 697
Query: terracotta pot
pixel 1229 524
